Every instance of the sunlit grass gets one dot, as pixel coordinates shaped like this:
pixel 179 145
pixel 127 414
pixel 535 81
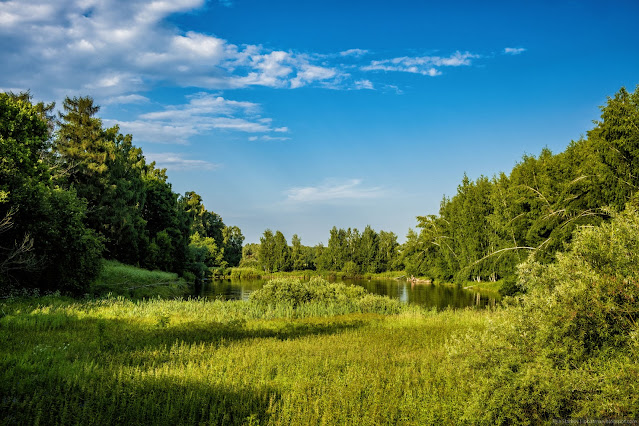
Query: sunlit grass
pixel 175 362
pixel 120 279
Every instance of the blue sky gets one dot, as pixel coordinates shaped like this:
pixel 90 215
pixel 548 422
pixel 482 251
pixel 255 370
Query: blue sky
pixel 299 116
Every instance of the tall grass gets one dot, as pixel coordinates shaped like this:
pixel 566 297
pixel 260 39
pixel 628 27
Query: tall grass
pixel 126 280
pixel 158 361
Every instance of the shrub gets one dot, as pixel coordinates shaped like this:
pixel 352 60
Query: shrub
pixel 295 293
pixel 572 340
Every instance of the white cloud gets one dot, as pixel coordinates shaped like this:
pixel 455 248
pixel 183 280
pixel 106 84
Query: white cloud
pixel 332 191
pixel 126 99
pixel 311 73
pixel 113 48
pixel 268 138
pixel 157 132
pixel 364 84
pixel 424 65
pixel 514 50
pixel 173 161
pixel 203 113
pixel 354 52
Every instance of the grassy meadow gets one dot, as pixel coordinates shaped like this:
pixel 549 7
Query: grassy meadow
pixel 196 362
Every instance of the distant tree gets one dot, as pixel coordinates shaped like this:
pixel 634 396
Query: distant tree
pixel 337 249
pixel 387 251
pixel 266 254
pixel 232 244
pixel 296 253
pixel 369 249
pixel 323 258
pixel 215 256
pixel 213 227
pixel 282 253
pixel 250 253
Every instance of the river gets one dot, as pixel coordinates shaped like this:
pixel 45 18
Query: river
pixel 427 295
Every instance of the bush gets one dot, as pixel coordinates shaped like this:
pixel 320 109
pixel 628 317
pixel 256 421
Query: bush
pixel 294 293
pixel 572 340
pixel 510 287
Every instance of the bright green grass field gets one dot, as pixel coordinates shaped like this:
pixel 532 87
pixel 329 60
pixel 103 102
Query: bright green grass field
pixel 115 361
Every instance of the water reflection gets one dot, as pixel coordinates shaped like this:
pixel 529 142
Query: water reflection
pixel 427 295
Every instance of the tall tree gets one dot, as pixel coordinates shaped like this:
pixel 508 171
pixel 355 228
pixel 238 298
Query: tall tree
pixel 45 242
pixel 266 254
pixel 105 169
pixel 282 253
pixel 232 243
pixel 369 250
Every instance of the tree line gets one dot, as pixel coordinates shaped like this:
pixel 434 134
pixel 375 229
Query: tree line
pixel 73 192
pixel 349 250
pixel 491 224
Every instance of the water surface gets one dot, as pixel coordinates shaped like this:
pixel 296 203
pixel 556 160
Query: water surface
pixel 427 295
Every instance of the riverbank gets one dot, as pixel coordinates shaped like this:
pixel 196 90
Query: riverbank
pixel 118 279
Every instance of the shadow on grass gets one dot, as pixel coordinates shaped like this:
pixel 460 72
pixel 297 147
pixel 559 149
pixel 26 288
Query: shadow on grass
pixel 56 368
pixel 100 397
pixel 120 335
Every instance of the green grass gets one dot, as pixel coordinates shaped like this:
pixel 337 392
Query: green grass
pixel 126 280
pixel 184 362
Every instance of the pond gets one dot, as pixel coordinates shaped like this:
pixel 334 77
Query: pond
pixel 427 295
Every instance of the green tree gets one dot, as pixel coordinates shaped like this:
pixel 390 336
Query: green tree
pixel 232 244
pixel 105 169
pixel 387 251
pixel 214 255
pixel 369 251
pixel 282 253
pixel 323 258
pixel 337 250
pixel 250 256
pixel 45 243
pixel 266 254
pixel 297 257
pixel 616 141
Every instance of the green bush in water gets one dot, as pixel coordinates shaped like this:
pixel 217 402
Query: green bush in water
pixel 294 293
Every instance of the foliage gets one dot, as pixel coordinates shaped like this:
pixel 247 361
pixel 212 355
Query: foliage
pixel 232 243
pixel 491 225
pixel 214 256
pixel 72 191
pixel 45 243
pixel 572 342
pixel 348 251
pixel 295 293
